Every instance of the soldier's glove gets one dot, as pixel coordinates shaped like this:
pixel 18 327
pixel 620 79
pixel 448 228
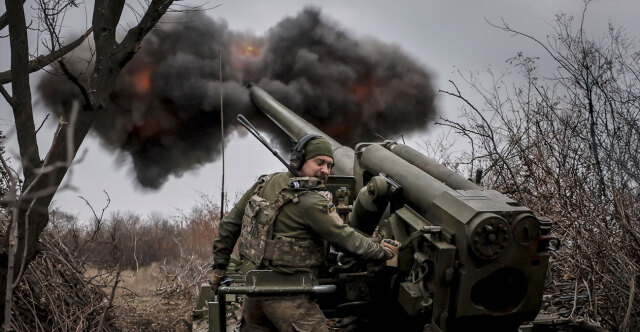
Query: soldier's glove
pixel 392 248
pixel 216 279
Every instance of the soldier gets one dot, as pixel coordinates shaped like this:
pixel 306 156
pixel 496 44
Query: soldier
pixel 281 222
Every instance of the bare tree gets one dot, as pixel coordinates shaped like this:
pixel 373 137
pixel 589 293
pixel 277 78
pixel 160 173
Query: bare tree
pixel 567 145
pixel 42 178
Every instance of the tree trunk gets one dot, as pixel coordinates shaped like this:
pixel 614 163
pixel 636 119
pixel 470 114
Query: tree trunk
pixel 42 180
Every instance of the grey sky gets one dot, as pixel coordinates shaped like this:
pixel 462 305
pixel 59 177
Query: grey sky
pixel 444 36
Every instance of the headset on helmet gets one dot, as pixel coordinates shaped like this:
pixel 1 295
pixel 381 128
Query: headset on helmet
pixel 298 152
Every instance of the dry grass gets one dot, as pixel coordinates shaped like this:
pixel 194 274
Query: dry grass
pixel 141 281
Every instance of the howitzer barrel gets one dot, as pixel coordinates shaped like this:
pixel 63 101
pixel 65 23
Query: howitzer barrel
pixel 433 168
pixel 418 187
pixel 296 127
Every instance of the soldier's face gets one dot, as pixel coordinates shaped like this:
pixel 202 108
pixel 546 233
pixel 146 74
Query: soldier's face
pixel 318 167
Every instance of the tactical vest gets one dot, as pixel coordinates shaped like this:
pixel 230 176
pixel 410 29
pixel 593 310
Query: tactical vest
pixel 257 242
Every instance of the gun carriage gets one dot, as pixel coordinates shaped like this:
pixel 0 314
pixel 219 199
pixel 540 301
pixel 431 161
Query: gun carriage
pixel 470 257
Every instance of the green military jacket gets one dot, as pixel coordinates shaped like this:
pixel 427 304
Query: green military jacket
pixel 311 218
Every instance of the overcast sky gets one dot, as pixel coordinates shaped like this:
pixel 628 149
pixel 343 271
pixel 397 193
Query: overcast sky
pixel 443 36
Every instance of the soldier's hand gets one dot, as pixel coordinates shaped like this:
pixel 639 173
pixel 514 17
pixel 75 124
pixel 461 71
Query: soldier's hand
pixel 393 249
pixel 216 279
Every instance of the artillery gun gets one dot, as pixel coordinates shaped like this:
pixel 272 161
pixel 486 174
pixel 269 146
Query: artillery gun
pixel 471 258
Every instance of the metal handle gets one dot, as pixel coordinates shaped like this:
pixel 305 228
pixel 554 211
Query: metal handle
pixel 243 121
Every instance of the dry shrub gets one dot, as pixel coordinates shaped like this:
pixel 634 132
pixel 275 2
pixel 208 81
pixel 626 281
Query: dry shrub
pixel 182 278
pixel 201 227
pixel 56 295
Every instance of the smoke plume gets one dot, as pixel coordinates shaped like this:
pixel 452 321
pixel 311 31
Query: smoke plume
pixel 164 110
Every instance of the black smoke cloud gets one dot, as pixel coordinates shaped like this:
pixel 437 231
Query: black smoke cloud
pixel 164 110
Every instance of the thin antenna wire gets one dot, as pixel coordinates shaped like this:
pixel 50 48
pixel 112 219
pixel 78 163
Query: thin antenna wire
pixel 221 138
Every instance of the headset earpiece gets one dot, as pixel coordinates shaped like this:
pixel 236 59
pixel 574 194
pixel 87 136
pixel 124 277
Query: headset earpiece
pixel 298 152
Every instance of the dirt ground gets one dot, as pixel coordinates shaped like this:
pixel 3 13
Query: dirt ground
pixel 149 312
pixel 140 308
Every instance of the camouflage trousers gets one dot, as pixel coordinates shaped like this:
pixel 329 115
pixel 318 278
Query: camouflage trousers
pixel 286 314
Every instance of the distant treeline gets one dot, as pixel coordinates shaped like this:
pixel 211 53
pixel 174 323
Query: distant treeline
pixel 134 241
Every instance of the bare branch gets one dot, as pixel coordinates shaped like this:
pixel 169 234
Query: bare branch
pixel 45 60
pixel 632 293
pixel 74 79
pixel 111 297
pixel 131 42
pixel 26 241
pixel 43 121
pixel 98 220
pixel 6 96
